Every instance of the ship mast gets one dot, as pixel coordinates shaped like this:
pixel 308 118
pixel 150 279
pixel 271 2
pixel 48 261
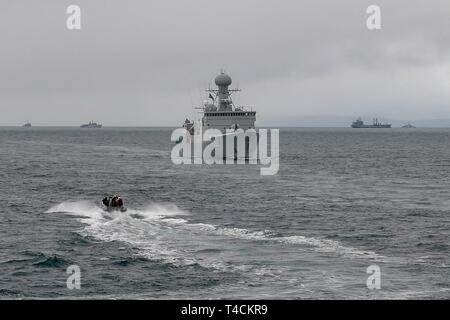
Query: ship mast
pixel 223 94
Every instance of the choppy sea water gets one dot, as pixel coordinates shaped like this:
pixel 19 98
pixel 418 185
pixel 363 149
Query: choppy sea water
pixel 342 201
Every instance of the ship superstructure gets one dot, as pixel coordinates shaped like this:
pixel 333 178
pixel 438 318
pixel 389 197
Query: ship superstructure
pixel 219 111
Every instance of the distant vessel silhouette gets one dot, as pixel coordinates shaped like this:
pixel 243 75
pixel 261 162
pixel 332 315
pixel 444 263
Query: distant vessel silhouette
pixel 91 124
pixel 409 125
pixel 27 125
pixel 376 124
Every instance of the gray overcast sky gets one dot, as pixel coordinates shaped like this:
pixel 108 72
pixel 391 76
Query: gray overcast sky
pixel 147 63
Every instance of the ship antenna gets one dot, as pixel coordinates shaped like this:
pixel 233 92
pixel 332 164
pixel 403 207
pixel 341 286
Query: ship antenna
pixel 190 97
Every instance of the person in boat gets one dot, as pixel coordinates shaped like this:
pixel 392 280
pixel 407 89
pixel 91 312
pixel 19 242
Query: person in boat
pixel 106 201
pixel 116 202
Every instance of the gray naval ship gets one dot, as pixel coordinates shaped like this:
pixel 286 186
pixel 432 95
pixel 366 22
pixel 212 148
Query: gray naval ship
pixel 91 125
pixel 219 112
pixel 376 124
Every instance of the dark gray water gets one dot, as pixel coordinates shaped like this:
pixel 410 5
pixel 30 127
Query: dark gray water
pixel 343 200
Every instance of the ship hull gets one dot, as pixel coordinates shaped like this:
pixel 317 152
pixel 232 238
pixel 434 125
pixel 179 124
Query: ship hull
pixel 90 127
pixel 249 153
pixel 372 126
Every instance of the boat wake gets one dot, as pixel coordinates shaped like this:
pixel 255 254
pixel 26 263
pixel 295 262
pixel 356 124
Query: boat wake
pixel 161 232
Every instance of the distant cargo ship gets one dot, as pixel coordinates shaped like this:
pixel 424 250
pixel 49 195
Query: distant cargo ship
pixel 91 124
pixel 376 124
pixel 27 125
